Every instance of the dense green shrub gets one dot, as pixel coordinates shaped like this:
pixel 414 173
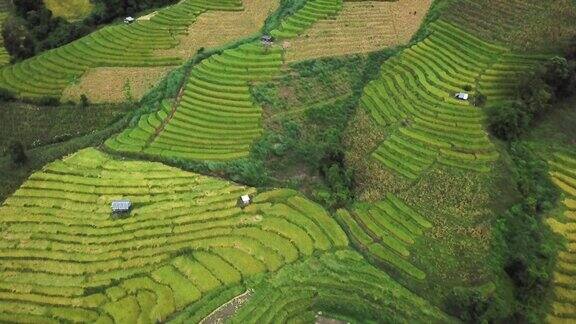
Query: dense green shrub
pixel 537 93
pixel 18 41
pixel 526 245
pixel 507 121
pixel 6 95
pixel 17 153
pixel 472 305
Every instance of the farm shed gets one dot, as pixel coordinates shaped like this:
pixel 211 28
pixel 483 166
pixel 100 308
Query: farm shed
pixel 462 96
pixel 129 20
pixel 244 200
pixel 267 40
pixel 121 206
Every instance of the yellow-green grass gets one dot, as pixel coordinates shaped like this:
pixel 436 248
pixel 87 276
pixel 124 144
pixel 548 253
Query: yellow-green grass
pixel 385 231
pixel 65 258
pixel 69 9
pixel 119 45
pixel 563 173
pixel 215 119
pixel 414 100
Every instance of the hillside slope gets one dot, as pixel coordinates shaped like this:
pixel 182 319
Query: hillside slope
pixel 121 45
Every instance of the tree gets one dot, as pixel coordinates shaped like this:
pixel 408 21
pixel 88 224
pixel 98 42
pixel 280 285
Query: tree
pixel 556 74
pixel 536 94
pixel 17 153
pixel 17 40
pixel 508 121
pixel 468 304
pixel 24 6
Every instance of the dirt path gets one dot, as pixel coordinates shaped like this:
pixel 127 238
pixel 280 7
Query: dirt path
pixel 227 310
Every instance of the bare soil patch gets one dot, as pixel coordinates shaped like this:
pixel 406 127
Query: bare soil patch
pixel 227 310
pixel 115 84
pixel 361 27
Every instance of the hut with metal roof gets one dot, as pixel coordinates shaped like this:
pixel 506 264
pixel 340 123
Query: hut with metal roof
pixel 121 206
pixel 267 40
pixel 244 200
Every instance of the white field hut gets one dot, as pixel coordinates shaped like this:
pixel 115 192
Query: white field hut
pixel 462 96
pixel 244 200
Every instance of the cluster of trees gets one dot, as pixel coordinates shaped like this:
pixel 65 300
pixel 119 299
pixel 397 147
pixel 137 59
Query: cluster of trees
pixel 537 94
pixel 34 29
pixel 525 241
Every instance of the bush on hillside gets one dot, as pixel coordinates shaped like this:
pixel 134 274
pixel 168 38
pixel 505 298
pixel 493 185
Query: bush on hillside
pixel 337 190
pixel 525 240
pixel 508 121
pixel 6 95
pixel 17 39
pixel 537 93
pixel 471 305
pixel 17 153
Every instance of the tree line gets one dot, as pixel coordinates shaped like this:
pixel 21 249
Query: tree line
pixel 33 28
pixel 537 94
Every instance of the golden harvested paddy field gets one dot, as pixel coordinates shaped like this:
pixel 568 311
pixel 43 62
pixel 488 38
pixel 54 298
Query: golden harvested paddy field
pixel 216 28
pixel 359 28
pixel 115 84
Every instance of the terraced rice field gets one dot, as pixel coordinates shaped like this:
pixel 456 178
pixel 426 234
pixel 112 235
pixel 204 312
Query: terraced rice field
pixel 214 28
pixel 312 12
pixel 385 231
pixel 215 118
pixel 64 258
pixel 339 284
pixel 563 172
pixel 361 27
pixel 121 45
pixel 414 98
pixel 211 29
pixel 523 24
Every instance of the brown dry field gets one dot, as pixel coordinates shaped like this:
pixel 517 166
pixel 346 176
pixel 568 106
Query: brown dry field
pixel 216 28
pixel 108 84
pixel 361 27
